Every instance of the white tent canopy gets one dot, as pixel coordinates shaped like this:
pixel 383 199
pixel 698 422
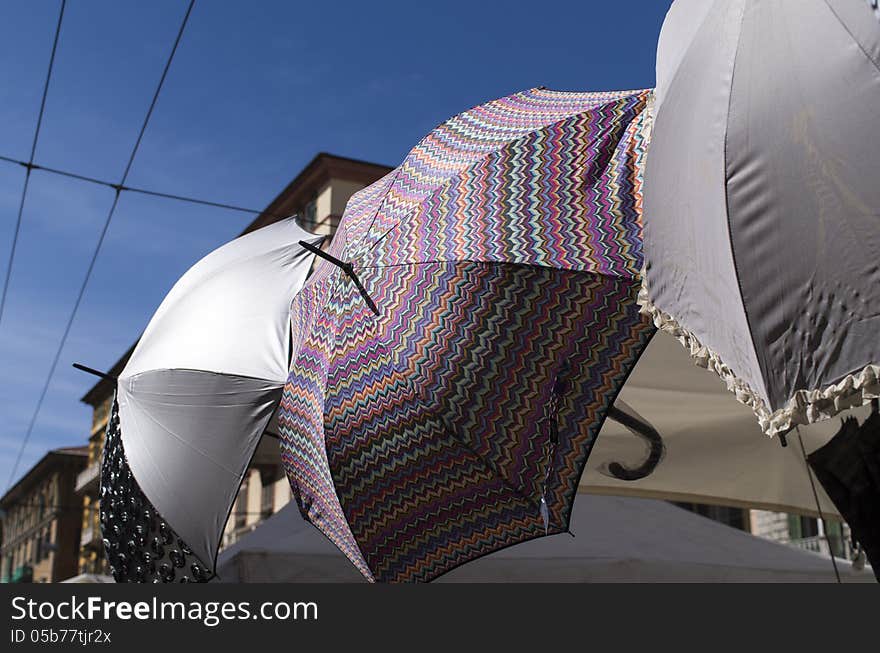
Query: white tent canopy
pixel 617 539
pixel 715 450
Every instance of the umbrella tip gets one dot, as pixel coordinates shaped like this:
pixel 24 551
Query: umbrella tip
pixel 90 370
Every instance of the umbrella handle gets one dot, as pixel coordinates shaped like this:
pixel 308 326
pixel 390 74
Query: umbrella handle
pixel 646 431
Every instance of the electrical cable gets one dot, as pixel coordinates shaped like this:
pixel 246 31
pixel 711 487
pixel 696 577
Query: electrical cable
pixel 97 250
pixel 27 175
pixel 142 191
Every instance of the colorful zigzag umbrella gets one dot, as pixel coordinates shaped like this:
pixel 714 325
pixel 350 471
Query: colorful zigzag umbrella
pixel 456 351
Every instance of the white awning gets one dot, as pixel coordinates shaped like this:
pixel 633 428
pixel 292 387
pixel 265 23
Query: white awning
pixel 617 539
pixel 715 450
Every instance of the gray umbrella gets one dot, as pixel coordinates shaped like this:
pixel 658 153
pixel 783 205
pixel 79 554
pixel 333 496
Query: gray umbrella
pixel 762 201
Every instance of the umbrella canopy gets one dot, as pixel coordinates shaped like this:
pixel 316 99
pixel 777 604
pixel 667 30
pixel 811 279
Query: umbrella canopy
pixel 455 355
pixel 849 468
pixel 195 397
pixel 762 208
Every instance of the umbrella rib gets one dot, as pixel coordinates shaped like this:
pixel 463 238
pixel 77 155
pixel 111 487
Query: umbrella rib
pixel 157 469
pixel 486 463
pixel 494 469
pixel 852 36
pixel 183 441
pixel 596 273
pixel 818 504
pixel 348 268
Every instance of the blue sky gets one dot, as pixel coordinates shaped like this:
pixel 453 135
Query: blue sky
pixel 255 91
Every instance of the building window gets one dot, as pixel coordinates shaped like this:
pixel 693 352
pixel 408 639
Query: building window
pixel 310 215
pixel 241 506
pixel 47 542
pixel 734 517
pixel 802 527
pixel 267 500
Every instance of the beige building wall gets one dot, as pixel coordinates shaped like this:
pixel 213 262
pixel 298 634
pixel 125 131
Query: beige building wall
pixel 253 500
pixel 283 494
pixel 770 525
pixel 91 552
pixel 329 205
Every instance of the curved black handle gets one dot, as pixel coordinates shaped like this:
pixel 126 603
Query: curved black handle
pixel 649 434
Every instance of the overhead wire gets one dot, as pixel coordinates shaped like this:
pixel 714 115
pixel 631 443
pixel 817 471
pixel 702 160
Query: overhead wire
pixel 142 191
pixel 97 249
pixel 29 167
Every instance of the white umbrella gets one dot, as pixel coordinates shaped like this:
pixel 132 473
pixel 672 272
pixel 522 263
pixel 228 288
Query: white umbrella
pixel 194 399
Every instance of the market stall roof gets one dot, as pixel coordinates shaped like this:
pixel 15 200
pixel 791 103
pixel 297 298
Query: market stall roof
pixel 616 539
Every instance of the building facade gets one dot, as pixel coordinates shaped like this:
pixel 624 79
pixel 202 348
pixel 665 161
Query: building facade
pixel 825 537
pixel 91 550
pixel 41 520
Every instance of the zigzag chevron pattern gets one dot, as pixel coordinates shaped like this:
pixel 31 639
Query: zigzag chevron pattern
pixel 470 137
pixel 503 257
pixel 561 197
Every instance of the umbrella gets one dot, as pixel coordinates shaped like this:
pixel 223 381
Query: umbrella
pixel 193 401
pixel 848 467
pixel 761 200
pixel 457 348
